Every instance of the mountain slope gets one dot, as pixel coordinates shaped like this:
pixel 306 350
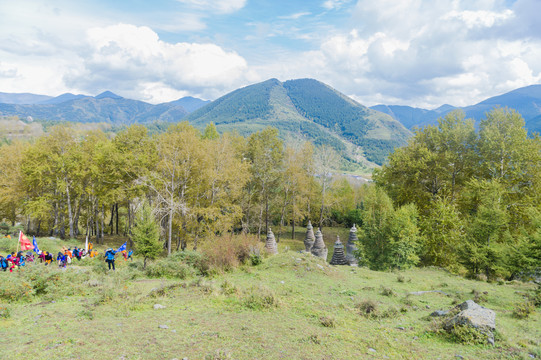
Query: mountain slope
pixel 307 109
pixel 22 98
pixel 106 107
pixel 525 100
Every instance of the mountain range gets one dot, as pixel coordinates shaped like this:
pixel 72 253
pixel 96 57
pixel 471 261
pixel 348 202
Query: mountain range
pixel 525 100
pixel 302 109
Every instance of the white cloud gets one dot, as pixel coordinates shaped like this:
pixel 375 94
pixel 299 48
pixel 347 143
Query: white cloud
pixel 480 18
pixel 426 53
pixel 333 4
pixel 219 6
pixel 295 16
pixel 134 60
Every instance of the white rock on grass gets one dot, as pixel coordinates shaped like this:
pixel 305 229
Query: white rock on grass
pixel 158 306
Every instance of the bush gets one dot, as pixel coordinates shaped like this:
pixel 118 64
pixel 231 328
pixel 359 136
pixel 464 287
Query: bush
pixel 387 291
pixel 523 310
pixel 259 298
pixel 327 321
pixel 14 289
pixel 169 268
pixel 195 259
pixel 367 308
pixel 228 252
pixel 5 312
pixel 468 335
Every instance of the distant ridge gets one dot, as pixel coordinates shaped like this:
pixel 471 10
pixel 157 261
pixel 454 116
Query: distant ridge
pixel 108 95
pixel 525 100
pixel 22 98
pixel 62 98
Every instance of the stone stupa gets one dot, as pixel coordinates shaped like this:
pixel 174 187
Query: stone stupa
pixel 310 238
pixel 270 244
pixel 338 257
pixel 319 249
pixel 351 246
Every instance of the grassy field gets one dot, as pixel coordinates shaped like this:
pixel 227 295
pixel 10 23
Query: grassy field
pixel 291 306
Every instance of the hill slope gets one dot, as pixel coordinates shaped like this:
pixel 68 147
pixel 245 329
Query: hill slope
pixel 106 107
pixel 310 110
pixel 526 100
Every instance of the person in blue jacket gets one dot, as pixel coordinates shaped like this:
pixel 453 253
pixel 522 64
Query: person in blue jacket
pixel 110 258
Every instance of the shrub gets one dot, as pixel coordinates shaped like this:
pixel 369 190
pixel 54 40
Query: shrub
pixel 169 268
pixel 195 259
pixel 5 312
pixel 367 308
pixel 387 291
pixel 228 252
pixel 523 310
pixel 13 289
pixel 467 335
pixel 260 298
pixel 327 321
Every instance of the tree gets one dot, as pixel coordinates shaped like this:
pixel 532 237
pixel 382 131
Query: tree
pixel 146 234
pixel 265 152
pixel 326 161
pixel 437 162
pixel 443 234
pixel 389 238
pixel 210 133
pixel 11 181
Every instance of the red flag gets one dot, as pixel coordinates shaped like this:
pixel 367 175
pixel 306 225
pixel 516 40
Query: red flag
pixel 25 243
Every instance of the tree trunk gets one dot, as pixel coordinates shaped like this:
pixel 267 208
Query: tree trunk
pixel 116 218
pixel 70 214
pixel 102 223
pixel 77 214
pixel 322 205
pixel 111 224
pixel 170 231
pixel 293 219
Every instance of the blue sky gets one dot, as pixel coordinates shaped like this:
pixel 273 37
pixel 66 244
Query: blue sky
pixel 412 52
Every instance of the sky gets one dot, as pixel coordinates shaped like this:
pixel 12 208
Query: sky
pixel 422 53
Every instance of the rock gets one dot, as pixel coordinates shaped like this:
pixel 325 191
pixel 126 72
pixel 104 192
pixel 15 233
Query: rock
pixel 158 306
pixel 351 246
pixel 163 327
pixel 319 249
pixel 310 238
pixel 270 244
pixel 372 350
pixel 427 306
pixel 473 315
pixel 459 356
pixel 338 257
pixel 401 328
pixel 490 340
pixel 440 313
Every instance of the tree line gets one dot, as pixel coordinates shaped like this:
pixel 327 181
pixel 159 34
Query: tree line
pixel 68 183
pixel 459 198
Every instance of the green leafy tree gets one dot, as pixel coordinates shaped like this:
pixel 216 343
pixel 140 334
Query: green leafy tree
pixel 443 231
pixel 146 234
pixel 389 238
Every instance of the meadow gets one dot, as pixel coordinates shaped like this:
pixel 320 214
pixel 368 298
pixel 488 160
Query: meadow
pixel 288 306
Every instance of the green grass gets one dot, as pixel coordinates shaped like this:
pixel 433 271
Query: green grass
pixel 292 306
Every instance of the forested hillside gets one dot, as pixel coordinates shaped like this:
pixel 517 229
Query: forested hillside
pixel 308 109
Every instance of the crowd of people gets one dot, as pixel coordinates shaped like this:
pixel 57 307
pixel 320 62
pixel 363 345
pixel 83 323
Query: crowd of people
pixel 64 257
